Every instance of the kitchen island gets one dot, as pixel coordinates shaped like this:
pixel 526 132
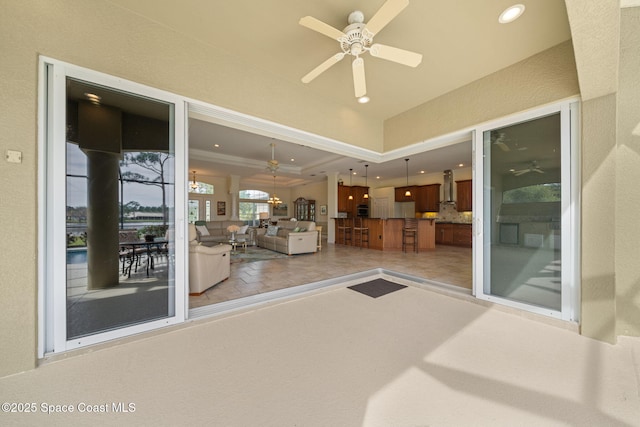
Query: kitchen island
pixel 386 234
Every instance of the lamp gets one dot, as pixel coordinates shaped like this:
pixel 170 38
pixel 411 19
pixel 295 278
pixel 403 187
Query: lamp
pixel 408 192
pixel 366 194
pixel 350 173
pixel 274 200
pixel 194 185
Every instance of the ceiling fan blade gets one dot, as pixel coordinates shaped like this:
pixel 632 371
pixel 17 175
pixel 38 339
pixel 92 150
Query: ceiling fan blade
pixel 521 172
pixel 322 67
pixel 385 14
pixel 502 145
pixel 359 83
pixel 538 170
pixel 319 26
pixel 394 54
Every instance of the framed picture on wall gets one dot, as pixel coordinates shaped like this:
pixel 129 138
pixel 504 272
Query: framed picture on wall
pixel 323 209
pixel 280 210
pixel 222 208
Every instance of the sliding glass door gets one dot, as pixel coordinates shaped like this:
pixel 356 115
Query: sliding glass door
pixel 114 156
pixel 525 244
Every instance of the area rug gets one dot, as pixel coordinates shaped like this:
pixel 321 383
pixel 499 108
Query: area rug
pixel 253 254
pixel 377 288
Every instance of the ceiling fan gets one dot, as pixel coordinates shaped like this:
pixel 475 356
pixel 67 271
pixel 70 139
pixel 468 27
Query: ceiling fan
pixel 273 164
pixel 533 167
pixel 357 39
pixel 500 140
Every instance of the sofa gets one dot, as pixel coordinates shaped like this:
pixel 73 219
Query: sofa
pixel 208 266
pixel 289 237
pixel 214 232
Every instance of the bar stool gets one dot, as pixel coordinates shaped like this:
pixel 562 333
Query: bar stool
pixel 410 231
pixel 344 226
pixel 360 233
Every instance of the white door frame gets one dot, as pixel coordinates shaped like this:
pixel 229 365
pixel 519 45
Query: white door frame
pixel 570 221
pixel 52 322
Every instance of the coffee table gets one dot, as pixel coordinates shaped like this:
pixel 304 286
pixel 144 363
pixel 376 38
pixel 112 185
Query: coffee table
pixel 235 243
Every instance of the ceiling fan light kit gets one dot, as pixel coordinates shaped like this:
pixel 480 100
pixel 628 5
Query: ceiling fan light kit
pixel 357 39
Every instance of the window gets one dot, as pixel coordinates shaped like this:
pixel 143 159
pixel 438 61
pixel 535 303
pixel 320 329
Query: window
pixel 252 203
pixel 202 188
pixel 533 193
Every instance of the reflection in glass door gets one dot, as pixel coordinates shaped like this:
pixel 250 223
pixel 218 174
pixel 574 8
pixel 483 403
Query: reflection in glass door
pixel 114 152
pixel 120 204
pixel 524 209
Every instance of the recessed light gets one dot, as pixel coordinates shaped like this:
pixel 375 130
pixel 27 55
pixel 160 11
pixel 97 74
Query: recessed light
pixel 421 171
pixel 511 13
pixel 461 165
pixel 363 99
pixel 216 145
pixel 293 160
pixel 377 177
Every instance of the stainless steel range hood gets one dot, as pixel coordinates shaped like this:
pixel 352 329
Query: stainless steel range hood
pixel 448 188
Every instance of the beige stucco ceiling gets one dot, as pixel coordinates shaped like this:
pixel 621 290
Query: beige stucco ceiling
pixel 461 41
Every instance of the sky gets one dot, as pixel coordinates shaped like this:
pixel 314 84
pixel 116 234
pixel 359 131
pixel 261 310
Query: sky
pixel 146 195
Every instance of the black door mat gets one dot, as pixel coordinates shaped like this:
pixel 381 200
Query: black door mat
pixel 377 288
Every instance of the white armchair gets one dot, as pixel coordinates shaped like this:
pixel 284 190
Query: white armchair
pixel 208 265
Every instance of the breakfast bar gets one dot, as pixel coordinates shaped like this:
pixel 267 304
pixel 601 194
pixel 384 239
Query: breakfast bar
pixel 386 234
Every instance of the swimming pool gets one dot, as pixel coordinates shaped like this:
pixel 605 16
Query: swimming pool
pixel 76 255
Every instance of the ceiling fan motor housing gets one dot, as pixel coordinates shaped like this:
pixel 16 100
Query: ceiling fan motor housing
pixel 355 43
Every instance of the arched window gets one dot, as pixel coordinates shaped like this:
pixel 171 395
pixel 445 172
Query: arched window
pixel 251 204
pixel 201 188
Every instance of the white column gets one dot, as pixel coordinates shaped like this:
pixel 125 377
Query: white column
pixel 234 190
pixel 332 205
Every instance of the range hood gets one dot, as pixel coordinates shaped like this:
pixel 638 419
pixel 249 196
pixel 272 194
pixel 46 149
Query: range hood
pixel 448 188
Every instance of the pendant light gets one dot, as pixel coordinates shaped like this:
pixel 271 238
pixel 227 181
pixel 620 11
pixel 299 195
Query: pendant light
pixel 350 173
pixel 194 185
pixel 408 192
pixel 366 191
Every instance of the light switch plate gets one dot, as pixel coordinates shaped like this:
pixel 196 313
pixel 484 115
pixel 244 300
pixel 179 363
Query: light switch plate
pixel 14 156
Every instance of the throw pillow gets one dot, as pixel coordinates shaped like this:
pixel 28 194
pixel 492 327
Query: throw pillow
pixel 243 229
pixel 272 230
pixel 295 230
pixel 202 229
pixel 302 229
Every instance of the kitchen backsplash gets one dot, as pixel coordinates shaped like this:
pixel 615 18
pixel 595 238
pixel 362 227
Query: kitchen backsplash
pixel 448 213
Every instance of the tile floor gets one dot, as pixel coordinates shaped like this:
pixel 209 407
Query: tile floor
pixel 447 264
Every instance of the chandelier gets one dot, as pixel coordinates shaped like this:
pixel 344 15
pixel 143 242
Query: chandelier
pixel 274 200
pixel 194 185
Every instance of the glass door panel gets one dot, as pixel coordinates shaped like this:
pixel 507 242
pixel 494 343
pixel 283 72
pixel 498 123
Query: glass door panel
pixel 522 212
pixel 120 206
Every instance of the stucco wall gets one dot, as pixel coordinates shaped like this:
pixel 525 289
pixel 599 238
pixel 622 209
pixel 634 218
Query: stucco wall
pixel 627 203
pixel 543 78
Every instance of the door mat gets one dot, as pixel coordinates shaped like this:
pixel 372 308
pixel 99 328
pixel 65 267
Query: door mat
pixel 377 288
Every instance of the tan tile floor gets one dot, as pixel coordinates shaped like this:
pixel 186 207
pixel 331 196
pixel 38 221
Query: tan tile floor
pixel 445 264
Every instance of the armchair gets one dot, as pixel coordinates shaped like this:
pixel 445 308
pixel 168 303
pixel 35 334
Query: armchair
pixel 208 265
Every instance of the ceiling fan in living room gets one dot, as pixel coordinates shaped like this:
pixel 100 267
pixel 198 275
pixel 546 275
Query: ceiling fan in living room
pixel 533 167
pixel 357 39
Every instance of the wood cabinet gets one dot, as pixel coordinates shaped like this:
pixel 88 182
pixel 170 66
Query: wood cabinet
pixel 428 198
pixel 304 210
pixel 351 206
pixel 343 198
pixel 454 234
pixel 464 199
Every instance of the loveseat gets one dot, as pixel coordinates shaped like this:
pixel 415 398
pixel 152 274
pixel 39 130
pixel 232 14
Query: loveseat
pixel 214 232
pixel 289 237
pixel 208 266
